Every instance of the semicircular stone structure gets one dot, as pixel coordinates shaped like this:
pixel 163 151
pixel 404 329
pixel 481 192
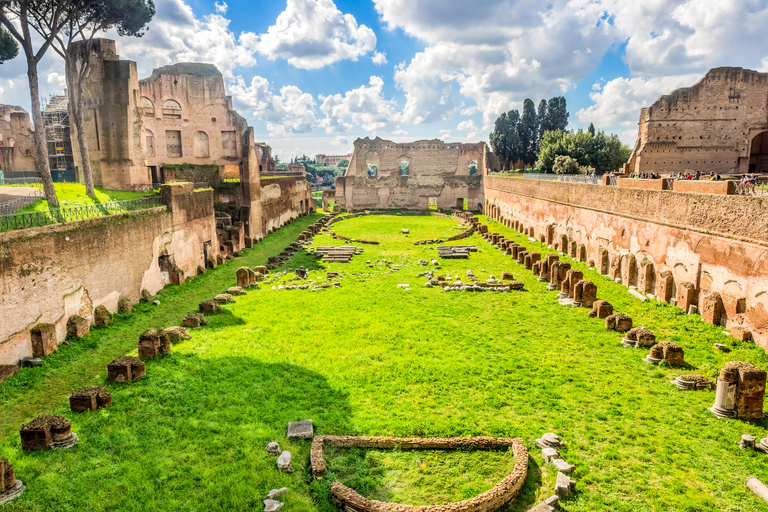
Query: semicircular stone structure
pixel 489 501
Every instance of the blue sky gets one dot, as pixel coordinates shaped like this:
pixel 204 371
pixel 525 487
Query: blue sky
pixel 313 75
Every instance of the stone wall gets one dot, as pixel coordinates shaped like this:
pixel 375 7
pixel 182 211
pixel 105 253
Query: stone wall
pixel 284 199
pixel 675 245
pixel 51 273
pixel 17 141
pixel 715 125
pixel 438 174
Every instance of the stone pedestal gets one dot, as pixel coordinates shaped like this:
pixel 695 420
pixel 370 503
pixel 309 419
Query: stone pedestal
pixel 43 339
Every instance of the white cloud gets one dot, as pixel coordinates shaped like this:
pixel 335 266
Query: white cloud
pixel 364 106
pixel 379 58
pixel 469 127
pixel 312 34
pixel 494 54
pixel 176 35
pixel 617 104
pixel 290 112
pixel 57 80
pixel 221 8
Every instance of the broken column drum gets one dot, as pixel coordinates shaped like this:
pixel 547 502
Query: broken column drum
pixel 740 391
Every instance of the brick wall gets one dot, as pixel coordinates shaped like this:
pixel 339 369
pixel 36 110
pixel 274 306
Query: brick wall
pixel 718 243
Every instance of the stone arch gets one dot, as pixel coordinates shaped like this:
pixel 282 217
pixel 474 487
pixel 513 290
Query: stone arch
pixel 149 107
pixel 171 109
pixel 372 163
pixel 202 149
pixel 404 165
pixel 758 153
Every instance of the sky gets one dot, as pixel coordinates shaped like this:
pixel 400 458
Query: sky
pixel 311 76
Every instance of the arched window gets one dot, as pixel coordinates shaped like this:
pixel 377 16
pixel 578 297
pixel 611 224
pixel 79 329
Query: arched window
pixel 404 167
pixel 150 143
pixel 149 107
pixel 372 164
pixel 201 145
pixel 171 109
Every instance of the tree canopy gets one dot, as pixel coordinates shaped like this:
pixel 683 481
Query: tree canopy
pixel 9 48
pixel 518 137
pixel 603 153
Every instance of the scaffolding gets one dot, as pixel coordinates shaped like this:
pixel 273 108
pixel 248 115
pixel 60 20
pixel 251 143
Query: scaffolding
pixel 57 133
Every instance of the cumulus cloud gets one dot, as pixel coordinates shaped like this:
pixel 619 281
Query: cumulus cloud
pixel 312 34
pixel 57 79
pixel 290 112
pixel 469 127
pixel 221 8
pixel 379 58
pixel 619 101
pixel 495 53
pixel 364 106
pixel 176 35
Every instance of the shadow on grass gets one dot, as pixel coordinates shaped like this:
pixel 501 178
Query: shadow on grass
pixel 190 429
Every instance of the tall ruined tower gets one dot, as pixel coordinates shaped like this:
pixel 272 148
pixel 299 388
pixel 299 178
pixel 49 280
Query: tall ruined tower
pixel 114 120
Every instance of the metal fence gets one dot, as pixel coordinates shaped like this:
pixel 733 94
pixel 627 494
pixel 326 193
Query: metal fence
pixel 21 181
pixel 17 203
pixel 757 189
pixel 568 178
pixel 72 213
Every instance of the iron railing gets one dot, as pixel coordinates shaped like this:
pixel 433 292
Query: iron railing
pixel 18 203
pixel 757 189
pixel 568 178
pixel 72 213
pixel 20 181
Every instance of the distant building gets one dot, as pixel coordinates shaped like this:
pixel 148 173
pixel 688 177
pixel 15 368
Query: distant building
pixel 720 124
pixel 331 160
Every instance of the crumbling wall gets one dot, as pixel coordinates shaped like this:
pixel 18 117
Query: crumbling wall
pixel 284 199
pixel 710 126
pixel 708 243
pixel 50 273
pixel 17 144
pixel 438 174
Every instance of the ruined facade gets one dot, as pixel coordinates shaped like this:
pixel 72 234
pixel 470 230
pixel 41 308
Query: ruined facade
pixel 417 175
pixel 331 160
pixel 188 118
pixel 17 144
pixel 720 124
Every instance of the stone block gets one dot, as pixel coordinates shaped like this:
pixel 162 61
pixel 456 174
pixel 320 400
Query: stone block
pixel 618 322
pixel 303 429
pixel 573 276
pixel 194 320
pixel 153 342
pixel 125 369
pixel 284 462
pixel 236 291
pixel 685 294
pixel 564 486
pixel 273 448
pixel 90 398
pixel 506 276
pixel 750 391
pixel 563 466
pixel 78 326
pixel 124 305
pixel 711 308
pixel 536 268
pixel 664 286
pixel 602 261
pixel 741 333
pixel 102 316
pixel 549 454
pixel 642 336
pixel 628 270
pixel 44 339
pixel 243 277
pixel 516 285
pixel 588 293
pixel 176 333
pixel 672 352
pixel 645 277
pixel 210 307
pixel 572 248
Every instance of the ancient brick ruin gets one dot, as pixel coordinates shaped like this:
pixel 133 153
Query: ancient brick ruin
pixel 387 175
pixel 719 124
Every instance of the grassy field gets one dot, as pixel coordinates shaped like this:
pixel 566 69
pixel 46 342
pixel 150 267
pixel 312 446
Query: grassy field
pixel 368 358
pixel 73 194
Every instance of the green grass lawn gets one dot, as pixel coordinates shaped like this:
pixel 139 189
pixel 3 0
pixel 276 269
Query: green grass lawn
pixel 73 194
pixel 368 358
